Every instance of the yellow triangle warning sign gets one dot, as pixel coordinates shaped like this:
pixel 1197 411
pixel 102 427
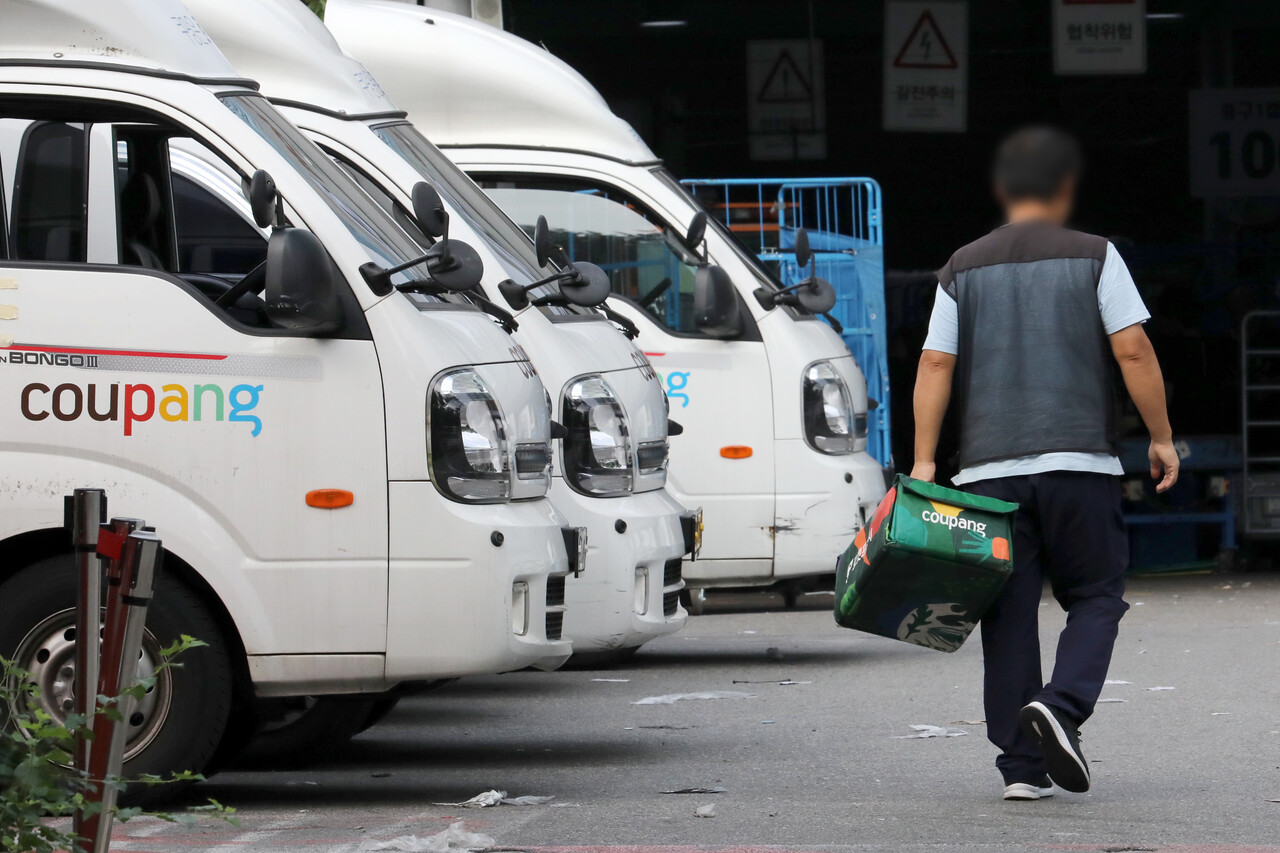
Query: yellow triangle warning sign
pixel 925 46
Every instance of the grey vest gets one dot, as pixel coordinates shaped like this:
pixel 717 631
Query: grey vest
pixel 1034 372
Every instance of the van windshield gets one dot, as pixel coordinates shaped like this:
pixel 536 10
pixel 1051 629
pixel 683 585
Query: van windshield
pixel 369 224
pixel 509 243
pixel 762 273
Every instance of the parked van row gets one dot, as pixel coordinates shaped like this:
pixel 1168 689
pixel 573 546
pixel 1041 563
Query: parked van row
pixel 396 429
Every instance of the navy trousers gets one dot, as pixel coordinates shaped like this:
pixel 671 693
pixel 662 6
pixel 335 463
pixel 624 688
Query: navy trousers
pixel 1069 529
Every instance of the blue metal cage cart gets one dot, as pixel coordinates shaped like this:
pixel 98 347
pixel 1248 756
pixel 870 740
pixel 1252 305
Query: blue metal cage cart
pixel 843 218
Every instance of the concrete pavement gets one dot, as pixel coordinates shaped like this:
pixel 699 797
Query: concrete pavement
pixel 816 765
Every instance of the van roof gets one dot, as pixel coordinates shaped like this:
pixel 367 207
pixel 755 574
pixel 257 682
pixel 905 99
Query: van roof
pixel 157 36
pixel 465 83
pixel 286 48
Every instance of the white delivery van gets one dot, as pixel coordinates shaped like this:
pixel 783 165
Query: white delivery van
pixel 350 484
pixel 612 464
pixel 773 404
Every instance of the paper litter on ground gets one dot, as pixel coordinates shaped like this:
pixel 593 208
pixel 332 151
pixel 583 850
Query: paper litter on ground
pixel 786 682
pixel 713 790
pixel 922 731
pixel 455 839
pixel 1100 701
pixel 1161 688
pixel 613 680
pixel 489 799
pixel 708 810
pixel 484 800
pixel 968 722
pixel 527 800
pixel 1114 681
pixel 672 698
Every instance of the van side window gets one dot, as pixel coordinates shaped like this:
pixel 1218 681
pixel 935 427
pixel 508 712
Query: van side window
pixel 384 201
pixel 646 265
pixel 49 194
pixel 213 238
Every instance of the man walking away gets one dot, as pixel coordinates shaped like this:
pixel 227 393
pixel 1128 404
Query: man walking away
pixel 1027 321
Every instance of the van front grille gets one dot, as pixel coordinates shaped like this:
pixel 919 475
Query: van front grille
pixel 671 574
pixel 670 603
pixel 555 590
pixel 555 625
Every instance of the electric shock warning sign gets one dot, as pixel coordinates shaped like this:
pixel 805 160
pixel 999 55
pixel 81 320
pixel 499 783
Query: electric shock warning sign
pixel 926 59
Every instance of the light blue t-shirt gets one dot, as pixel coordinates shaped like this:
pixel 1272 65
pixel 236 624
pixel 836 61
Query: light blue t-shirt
pixel 1121 307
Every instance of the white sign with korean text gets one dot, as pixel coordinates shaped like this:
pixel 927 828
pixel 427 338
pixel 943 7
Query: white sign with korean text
pixel 1235 142
pixel 786 99
pixel 1099 36
pixel 926 65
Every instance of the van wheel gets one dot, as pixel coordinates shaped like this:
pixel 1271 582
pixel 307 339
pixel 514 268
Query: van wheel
pixel 179 723
pixel 296 732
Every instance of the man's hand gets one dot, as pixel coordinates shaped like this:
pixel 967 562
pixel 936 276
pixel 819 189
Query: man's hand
pixel 1164 461
pixel 923 471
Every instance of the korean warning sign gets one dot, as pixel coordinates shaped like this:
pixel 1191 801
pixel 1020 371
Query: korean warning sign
pixel 786 100
pixel 926 65
pixel 1099 36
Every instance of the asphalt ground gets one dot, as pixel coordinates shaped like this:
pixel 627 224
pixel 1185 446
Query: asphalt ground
pixel 815 765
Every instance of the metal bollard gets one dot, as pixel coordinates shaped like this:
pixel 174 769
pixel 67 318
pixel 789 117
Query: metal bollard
pixel 85 511
pixel 140 561
pixel 112 544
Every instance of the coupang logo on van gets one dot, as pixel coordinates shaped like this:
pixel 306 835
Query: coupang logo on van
pixel 132 403
pixel 674 382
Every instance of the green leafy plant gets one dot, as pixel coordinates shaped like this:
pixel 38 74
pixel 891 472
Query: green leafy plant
pixel 316 6
pixel 37 781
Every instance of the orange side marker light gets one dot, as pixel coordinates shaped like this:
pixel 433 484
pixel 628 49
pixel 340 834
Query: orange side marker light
pixel 735 451
pixel 330 498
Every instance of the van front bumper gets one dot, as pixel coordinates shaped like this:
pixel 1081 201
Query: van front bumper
pixel 630 590
pixel 820 504
pixel 473 588
pixel 823 501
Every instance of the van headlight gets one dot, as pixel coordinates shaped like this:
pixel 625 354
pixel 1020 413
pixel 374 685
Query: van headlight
pixel 597 454
pixel 467 439
pixel 830 424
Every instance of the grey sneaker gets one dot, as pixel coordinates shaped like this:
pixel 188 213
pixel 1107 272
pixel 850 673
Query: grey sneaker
pixel 1060 740
pixel 1037 790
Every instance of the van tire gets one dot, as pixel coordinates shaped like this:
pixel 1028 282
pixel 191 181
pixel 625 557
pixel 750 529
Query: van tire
pixel 200 702
pixel 302 739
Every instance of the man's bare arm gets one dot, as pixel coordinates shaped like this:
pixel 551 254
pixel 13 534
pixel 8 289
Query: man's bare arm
pixel 1145 383
pixel 932 394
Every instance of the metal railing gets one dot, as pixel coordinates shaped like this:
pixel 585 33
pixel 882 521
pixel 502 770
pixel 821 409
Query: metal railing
pixel 843 219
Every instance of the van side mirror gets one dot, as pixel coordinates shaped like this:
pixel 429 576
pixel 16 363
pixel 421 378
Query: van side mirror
pixel 262 199
pixel 542 241
pixel 589 288
pixel 697 231
pixel 816 295
pixel 716 310
pixel 301 288
pixel 428 209
pixel 803 254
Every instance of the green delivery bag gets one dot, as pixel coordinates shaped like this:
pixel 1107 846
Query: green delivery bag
pixel 927 566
